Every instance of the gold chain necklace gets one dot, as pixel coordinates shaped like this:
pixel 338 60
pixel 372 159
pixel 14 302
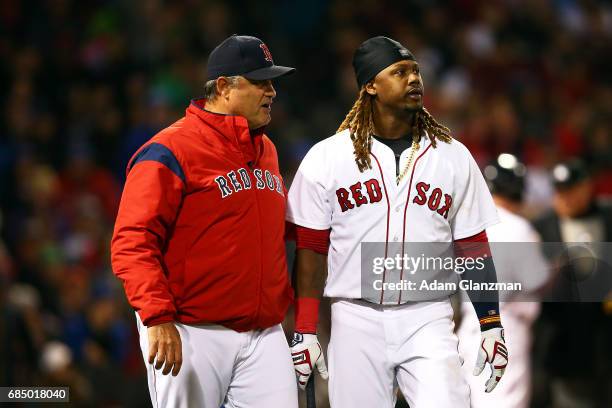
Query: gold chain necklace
pixel 415 148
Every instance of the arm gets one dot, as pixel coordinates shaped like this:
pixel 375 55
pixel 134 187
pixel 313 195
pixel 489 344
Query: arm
pixel 309 276
pixel 475 211
pixel 492 348
pixel 309 281
pixel 310 273
pixel 310 209
pixel 149 206
pixel 487 309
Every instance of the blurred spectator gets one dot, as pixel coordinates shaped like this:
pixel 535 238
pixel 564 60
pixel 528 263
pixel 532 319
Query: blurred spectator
pixel 58 370
pixel 576 319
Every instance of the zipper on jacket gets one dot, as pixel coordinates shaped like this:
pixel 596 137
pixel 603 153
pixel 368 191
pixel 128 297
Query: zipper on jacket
pixel 260 277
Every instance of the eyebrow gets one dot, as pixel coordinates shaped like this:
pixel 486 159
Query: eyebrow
pixel 407 63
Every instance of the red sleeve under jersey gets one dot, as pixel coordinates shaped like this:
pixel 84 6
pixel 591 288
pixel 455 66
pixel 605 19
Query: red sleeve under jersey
pixel 315 240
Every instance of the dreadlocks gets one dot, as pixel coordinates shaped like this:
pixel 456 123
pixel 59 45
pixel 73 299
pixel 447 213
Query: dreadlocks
pixel 359 121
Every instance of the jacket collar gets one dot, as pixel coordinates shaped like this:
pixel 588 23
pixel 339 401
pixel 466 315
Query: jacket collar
pixel 234 129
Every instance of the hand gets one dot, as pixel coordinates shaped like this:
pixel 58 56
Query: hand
pixel 165 347
pixel 306 351
pixel 492 350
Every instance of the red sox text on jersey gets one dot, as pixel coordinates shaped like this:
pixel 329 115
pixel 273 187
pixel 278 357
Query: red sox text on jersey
pixel 353 196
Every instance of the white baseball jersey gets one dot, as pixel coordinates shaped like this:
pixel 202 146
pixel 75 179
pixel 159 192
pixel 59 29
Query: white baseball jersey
pixel 442 198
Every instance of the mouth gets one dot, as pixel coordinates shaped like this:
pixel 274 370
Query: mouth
pixel 267 106
pixel 415 94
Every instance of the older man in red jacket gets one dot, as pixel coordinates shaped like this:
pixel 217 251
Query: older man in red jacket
pixel 198 243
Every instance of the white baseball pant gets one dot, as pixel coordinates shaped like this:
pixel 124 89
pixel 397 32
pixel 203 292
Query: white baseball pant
pixel 225 367
pixel 374 349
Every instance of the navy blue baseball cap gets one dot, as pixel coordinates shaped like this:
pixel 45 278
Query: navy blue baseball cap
pixel 246 56
pixel 376 54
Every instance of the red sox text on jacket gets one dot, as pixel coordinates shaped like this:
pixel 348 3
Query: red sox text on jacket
pixel 237 180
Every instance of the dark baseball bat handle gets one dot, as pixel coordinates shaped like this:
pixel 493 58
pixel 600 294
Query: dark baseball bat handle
pixel 311 401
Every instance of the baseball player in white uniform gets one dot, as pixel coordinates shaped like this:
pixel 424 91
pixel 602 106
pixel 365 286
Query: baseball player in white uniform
pixel 391 174
pixel 519 263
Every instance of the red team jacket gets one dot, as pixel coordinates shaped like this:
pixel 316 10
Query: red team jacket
pixel 199 233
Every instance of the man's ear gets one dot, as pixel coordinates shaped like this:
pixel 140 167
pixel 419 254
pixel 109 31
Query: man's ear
pixel 223 87
pixel 370 88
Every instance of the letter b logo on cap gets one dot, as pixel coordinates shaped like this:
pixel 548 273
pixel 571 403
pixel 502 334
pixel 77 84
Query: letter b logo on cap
pixel 266 51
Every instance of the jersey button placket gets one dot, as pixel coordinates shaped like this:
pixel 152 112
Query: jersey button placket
pixel 398 210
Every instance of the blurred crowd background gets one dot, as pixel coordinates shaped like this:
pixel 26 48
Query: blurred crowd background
pixel 84 84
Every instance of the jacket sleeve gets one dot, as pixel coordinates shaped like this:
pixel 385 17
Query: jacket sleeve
pixel 151 198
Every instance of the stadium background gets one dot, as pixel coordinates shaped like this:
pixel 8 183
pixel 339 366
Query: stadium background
pixel 84 84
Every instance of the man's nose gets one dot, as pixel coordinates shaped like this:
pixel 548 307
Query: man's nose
pixel 269 89
pixel 414 79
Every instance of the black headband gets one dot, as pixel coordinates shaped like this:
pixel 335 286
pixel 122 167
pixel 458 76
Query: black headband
pixel 376 54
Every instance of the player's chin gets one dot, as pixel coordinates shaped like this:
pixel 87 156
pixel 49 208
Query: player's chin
pixel 267 118
pixel 413 106
pixel 264 119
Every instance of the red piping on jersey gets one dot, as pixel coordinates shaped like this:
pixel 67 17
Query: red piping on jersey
pixel 382 176
pixel 399 301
